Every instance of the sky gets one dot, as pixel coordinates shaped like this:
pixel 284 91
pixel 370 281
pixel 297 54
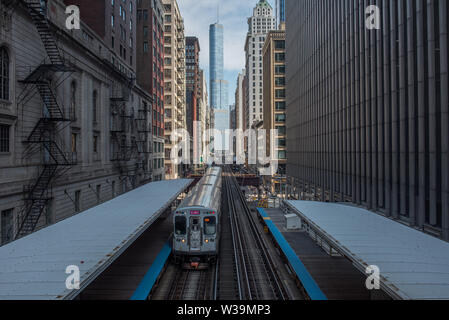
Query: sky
pixel 199 14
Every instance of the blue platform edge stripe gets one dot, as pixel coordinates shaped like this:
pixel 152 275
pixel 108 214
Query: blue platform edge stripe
pixel 146 285
pixel 309 284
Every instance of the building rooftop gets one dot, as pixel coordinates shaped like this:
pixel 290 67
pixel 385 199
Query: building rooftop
pixel 413 265
pixel 34 267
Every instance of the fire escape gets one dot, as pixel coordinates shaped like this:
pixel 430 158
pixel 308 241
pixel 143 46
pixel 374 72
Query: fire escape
pixel 122 149
pixel 43 138
pixel 143 141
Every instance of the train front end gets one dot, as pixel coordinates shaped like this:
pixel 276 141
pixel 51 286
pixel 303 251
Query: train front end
pixel 196 237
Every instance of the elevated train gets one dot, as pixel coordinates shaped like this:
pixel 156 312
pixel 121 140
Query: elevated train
pixel 197 222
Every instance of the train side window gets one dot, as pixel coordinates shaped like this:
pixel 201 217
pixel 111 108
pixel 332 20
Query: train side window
pixel 210 226
pixel 180 226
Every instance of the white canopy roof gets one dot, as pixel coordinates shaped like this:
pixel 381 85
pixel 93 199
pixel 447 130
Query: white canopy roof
pixel 34 267
pixel 413 265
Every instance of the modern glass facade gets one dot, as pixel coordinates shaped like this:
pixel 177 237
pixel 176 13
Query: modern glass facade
pixel 280 11
pixel 218 86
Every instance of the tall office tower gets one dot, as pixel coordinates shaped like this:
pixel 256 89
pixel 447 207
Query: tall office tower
pixel 204 114
pixel 193 92
pixel 274 103
pixel 174 77
pixel 259 24
pixel 218 86
pixel 239 100
pixel 150 72
pixel 115 23
pixel 280 12
pixel 377 135
pixel 192 81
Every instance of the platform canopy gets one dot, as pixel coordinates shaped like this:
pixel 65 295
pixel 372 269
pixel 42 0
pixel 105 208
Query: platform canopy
pixel 35 266
pixel 413 265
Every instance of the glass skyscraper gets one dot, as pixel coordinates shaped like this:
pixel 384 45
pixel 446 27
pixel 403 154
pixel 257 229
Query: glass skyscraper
pixel 280 11
pixel 218 86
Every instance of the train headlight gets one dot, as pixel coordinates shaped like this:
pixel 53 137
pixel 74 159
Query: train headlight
pixel 183 240
pixel 207 240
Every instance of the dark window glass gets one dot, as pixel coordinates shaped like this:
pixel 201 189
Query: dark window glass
pixel 4 138
pixel 180 226
pixel 210 226
pixel 4 74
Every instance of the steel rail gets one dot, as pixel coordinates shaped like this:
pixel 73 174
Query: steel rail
pixel 278 288
pixel 235 242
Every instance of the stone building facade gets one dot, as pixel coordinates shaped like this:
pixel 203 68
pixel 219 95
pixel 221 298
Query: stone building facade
pixel 74 127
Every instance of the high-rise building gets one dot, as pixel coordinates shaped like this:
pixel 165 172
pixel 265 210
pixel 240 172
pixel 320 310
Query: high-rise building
pixel 204 118
pixel 192 81
pixel 150 72
pixel 115 23
pixel 262 21
pixel 239 99
pixel 218 86
pixel 367 110
pixel 193 92
pixel 274 103
pixel 280 12
pixel 174 77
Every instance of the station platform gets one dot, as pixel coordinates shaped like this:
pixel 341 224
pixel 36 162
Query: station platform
pixel 34 267
pixel 127 277
pixel 412 264
pixel 322 275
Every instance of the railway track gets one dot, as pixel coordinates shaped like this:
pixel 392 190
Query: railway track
pixel 180 284
pixel 245 268
pixel 255 268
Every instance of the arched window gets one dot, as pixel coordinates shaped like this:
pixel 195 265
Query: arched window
pixel 95 106
pixel 4 74
pixel 73 100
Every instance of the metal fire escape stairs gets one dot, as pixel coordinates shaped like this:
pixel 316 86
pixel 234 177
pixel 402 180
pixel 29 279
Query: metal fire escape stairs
pixel 44 134
pixel 120 124
pixel 143 140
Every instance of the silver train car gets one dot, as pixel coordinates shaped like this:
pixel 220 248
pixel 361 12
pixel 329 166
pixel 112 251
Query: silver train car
pixel 197 222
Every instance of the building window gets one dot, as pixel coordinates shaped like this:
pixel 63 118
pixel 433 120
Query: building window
pixel 281 130
pixel 4 74
pixel 95 106
pixel 282 143
pixel 280 81
pixel 74 142
pixel 280 93
pixel 280 69
pixel 7 225
pixel 95 144
pixel 145 47
pixel 4 137
pixel 73 100
pixel 280 117
pixel 113 189
pixel 279 44
pixel 98 192
pixel 280 57
pixel 282 155
pixel 78 201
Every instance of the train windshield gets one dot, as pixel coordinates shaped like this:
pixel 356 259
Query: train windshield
pixel 180 226
pixel 210 226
